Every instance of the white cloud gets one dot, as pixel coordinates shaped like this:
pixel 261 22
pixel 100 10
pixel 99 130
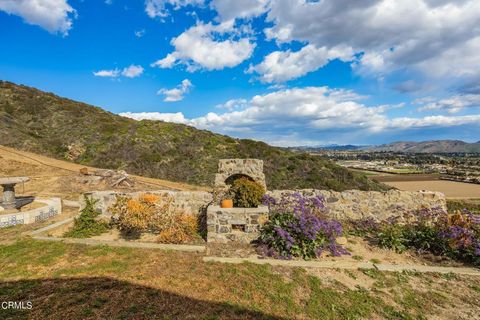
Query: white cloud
pixel 288 116
pixel 437 38
pixel 232 9
pixel 113 73
pixel 167 117
pixel 159 8
pixel 140 33
pixel 280 66
pixel 432 122
pixel 453 104
pixel 176 94
pixel 198 47
pixel 52 15
pixel 131 71
pixel 167 62
pixel 233 104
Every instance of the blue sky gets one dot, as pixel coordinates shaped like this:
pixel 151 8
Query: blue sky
pixel 288 72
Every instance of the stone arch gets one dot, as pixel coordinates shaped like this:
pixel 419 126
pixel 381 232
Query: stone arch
pixel 235 176
pixel 230 169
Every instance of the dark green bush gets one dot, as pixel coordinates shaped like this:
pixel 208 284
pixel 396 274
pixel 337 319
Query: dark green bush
pixel 85 225
pixel 246 193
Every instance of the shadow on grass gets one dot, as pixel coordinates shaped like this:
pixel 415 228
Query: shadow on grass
pixel 108 298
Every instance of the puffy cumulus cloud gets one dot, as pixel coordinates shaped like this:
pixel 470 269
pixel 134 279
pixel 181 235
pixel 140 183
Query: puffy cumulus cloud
pixel 435 37
pixel 233 104
pixel 52 15
pixel 176 94
pixel 159 8
pixel 281 66
pixel 461 60
pixel 131 71
pixel 205 46
pixel 312 114
pixel 453 104
pixel 233 9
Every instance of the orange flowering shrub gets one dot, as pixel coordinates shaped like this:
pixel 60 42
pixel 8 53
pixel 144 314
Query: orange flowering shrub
pixel 182 229
pixel 156 214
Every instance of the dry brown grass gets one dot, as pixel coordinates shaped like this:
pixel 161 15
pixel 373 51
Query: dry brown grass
pixel 50 177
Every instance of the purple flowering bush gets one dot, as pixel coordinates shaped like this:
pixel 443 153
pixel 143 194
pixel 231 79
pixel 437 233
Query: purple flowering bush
pixel 455 235
pixel 296 228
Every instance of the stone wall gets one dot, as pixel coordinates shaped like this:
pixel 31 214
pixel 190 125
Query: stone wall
pixel 352 204
pixel 355 204
pixel 191 201
pixel 235 224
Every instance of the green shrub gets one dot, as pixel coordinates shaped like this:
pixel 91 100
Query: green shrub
pixel 470 205
pixel 455 235
pixel 246 193
pixel 392 237
pixel 85 225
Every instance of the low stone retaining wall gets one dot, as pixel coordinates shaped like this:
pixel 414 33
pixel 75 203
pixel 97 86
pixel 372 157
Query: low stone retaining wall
pixel 194 202
pixel 352 204
pixel 355 204
pixel 53 206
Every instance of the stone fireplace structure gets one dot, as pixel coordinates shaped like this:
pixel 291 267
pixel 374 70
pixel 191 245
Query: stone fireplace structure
pixel 236 224
pixel 231 169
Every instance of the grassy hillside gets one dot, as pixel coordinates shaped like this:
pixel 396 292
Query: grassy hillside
pixel 44 123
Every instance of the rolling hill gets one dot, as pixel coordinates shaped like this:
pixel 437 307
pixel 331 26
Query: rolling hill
pixel 435 146
pixel 41 122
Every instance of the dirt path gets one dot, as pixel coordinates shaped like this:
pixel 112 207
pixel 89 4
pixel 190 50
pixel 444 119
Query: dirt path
pixel 348 265
pixel 37 166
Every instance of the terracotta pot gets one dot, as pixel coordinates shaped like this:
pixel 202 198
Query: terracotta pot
pixel 227 203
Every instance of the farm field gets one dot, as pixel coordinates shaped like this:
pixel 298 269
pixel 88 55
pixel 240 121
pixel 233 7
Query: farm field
pixel 451 189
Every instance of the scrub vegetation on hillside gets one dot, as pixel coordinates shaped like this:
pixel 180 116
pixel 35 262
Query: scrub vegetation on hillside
pixel 44 123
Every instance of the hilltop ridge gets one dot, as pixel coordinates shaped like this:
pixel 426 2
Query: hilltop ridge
pixel 44 123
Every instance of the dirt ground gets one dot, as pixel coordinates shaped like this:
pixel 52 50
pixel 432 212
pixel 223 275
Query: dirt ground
pixel 50 177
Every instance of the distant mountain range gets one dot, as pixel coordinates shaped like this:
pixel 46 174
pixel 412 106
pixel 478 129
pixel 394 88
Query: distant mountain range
pixel 333 147
pixel 434 146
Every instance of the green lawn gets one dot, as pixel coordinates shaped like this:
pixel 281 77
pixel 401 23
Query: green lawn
pixel 65 281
